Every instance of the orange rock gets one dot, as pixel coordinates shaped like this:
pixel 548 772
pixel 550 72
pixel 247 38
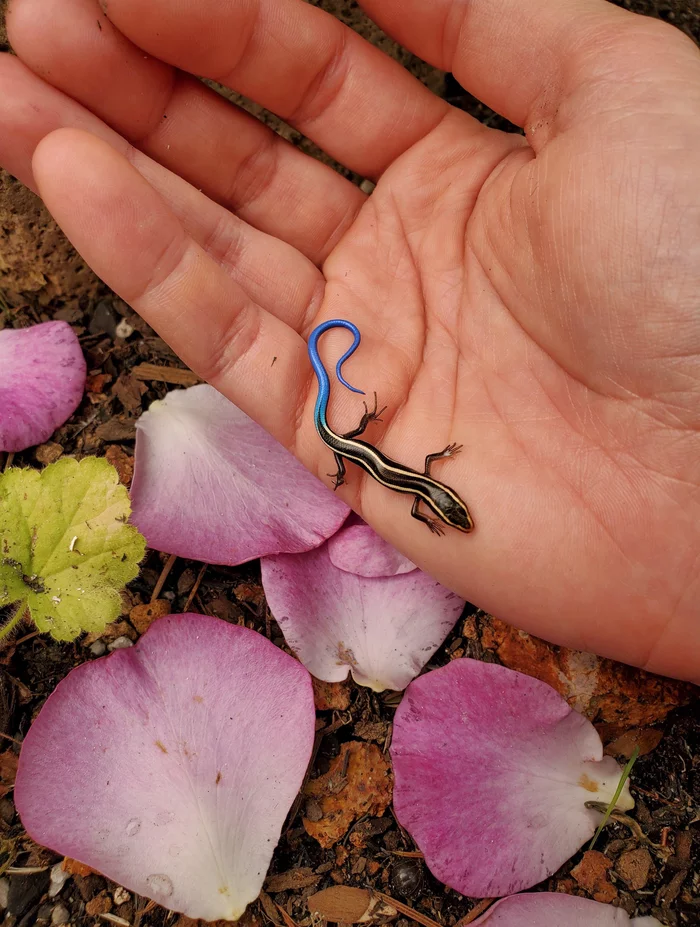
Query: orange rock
pixel 606 692
pixel 142 616
pixel 100 904
pixel 357 783
pixel 331 695
pixel 634 868
pixel 592 875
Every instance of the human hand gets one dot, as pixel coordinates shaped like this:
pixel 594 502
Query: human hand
pixel 535 299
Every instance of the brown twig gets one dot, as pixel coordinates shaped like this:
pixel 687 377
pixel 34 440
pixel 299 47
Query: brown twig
pixel 406 910
pixel 289 921
pixel 7 737
pixel 163 576
pixel 195 588
pixel 475 912
pixel 27 637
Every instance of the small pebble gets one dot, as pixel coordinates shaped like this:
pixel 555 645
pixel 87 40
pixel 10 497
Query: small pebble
pixel 4 892
pixel 58 879
pixel 60 915
pixel 314 811
pixel 121 896
pixel 121 643
pixel 98 649
pixel 103 320
pixel 124 329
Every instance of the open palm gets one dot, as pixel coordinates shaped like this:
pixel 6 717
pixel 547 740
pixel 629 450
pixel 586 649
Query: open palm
pixel 532 298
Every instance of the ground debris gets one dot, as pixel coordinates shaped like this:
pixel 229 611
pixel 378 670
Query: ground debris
pixel 178 376
pixel 122 462
pixel 615 697
pixel 592 875
pixel 142 616
pixel 343 904
pixel 358 783
pixel 118 428
pixel 8 770
pixel 292 879
pixel 48 453
pixel 634 868
pixel 331 696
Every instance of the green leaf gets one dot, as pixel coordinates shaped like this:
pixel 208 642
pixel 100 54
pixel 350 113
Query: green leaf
pixel 65 547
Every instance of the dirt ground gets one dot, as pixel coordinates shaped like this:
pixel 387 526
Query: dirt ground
pixel 647 864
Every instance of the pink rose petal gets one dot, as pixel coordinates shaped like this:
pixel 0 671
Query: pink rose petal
pixel 212 485
pixel 170 766
pixel 383 629
pixel 42 378
pixel 357 549
pixel 548 909
pixel 492 772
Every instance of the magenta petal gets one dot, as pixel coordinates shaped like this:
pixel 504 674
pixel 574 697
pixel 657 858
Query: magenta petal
pixel 548 909
pixel 358 549
pixel 492 772
pixel 170 766
pixel 382 629
pixel 42 378
pixel 211 485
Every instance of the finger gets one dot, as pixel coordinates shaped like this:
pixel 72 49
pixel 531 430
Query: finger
pixel 299 62
pixel 274 274
pixel 189 128
pixel 134 242
pixel 521 57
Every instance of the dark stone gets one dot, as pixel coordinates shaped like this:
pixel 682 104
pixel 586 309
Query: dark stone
pixel 25 891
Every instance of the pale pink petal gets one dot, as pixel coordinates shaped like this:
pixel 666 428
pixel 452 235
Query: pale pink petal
pixel 382 629
pixel 492 773
pixel 358 549
pixel 170 766
pixel 42 378
pixel 211 485
pixel 547 909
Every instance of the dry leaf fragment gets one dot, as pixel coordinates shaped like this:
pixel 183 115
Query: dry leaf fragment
pixel 292 879
pixel 342 904
pixel 645 739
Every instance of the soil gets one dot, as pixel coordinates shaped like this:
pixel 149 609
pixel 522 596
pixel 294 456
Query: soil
pixel 648 864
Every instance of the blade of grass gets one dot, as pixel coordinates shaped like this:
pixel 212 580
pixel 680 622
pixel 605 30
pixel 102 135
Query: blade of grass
pixel 618 791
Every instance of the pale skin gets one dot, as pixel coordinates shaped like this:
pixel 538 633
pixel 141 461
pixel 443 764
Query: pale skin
pixel 535 299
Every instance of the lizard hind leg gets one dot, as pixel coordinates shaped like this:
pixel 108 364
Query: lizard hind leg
pixel 368 416
pixel 339 476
